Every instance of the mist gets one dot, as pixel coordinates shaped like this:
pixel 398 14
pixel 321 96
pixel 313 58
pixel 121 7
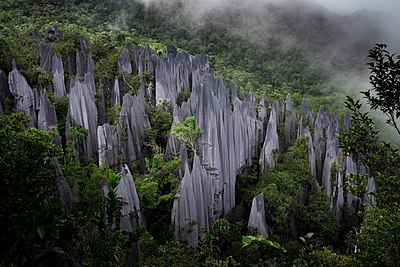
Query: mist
pixel 336 34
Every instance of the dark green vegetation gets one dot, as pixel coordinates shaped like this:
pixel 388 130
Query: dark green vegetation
pixel 378 239
pixel 303 230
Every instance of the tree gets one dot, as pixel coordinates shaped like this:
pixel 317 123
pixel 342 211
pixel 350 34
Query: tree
pixel 187 132
pixel 385 79
pixel 378 239
pixel 30 212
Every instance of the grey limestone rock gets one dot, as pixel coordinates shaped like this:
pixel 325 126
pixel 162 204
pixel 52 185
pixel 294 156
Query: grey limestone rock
pixel 132 120
pixel 171 51
pixel 22 92
pixel 63 187
pixel 90 84
pixel 131 214
pixel 45 57
pixel 82 111
pixel 116 95
pixel 52 33
pixel 84 61
pixel 124 62
pixel 304 107
pixel 290 121
pixel 271 143
pixel 311 152
pixel 321 123
pixel 58 75
pixel 257 221
pixel 191 209
pixel 332 177
pixel 107 139
pixel 47 118
pixel 172 76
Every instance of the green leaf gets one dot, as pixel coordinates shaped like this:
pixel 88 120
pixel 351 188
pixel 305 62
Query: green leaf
pixel 41 231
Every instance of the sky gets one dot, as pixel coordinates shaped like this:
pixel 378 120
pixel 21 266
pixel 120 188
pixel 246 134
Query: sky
pixel 348 6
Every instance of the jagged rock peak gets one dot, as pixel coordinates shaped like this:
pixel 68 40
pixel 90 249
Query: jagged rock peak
pixel 45 57
pixel 271 143
pixel 124 62
pixel 83 111
pixel 58 75
pixel 22 92
pixel 52 33
pixel 257 222
pixel 131 214
pixel 107 139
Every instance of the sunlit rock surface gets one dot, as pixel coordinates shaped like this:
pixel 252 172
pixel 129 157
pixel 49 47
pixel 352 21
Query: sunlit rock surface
pixel 192 206
pixel 132 120
pixel 22 93
pixel 131 214
pixel 58 75
pixel 83 111
pixel 107 139
pixel 257 222
pixel 271 143
pixel 45 57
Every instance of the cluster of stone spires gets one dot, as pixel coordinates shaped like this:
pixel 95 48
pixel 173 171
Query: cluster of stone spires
pixel 233 133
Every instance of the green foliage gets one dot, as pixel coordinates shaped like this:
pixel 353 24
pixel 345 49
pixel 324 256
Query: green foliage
pixel 381 225
pixel 223 240
pixel 157 189
pixel 31 212
pixel 61 107
pixel 316 217
pixel 385 79
pixel 183 96
pixel 75 135
pixel 171 254
pixel 187 132
pixel 86 183
pixel 113 204
pixel 249 241
pixel 294 207
pixel 326 257
pixel 160 124
pixel 113 114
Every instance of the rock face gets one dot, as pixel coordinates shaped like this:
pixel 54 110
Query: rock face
pixel 131 214
pixel 47 118
pixel 172 76
pixel 45 57
pixel 124 62
pixel 257 222
pixel 63 187
pixel 58 75
pixel 124 142
pixel 191 209
pixel 82 111
pixel 53 33
pixel 107 138
pixel 271 143
pixel 290 122
pixel 83 59
pixel 132 120
pixel 22 92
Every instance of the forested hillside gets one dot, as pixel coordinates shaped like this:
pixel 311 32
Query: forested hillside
pixel 173 133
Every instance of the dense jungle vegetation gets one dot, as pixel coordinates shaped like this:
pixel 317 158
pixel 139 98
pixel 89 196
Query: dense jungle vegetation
pixel 268 55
